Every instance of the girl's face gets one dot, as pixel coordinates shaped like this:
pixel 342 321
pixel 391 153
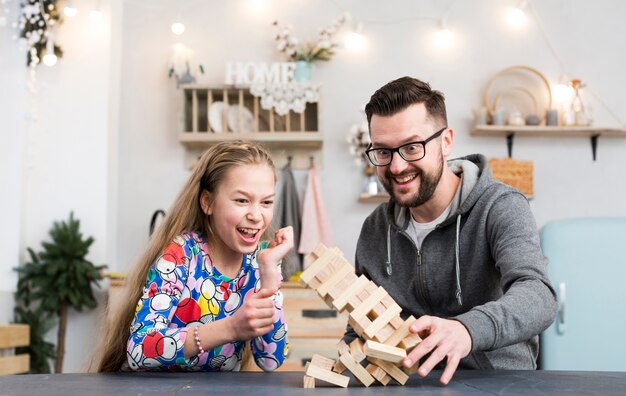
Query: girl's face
pixel 241 209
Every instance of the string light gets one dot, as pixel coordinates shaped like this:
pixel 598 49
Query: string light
pixel 516 16
pixel 70 10
pixel 50 58
pixel 178 28
pixel 443 38
pixel 355 40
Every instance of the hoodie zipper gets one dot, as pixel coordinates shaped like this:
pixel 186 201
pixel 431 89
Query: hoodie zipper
pixel 420 281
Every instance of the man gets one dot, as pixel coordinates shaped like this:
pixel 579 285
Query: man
pixel 454 247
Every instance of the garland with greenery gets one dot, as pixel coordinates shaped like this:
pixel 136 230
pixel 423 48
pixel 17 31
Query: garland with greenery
pixel 36 21
pixel 57 278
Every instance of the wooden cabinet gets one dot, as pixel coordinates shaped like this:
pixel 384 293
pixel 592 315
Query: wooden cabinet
pixel 217 113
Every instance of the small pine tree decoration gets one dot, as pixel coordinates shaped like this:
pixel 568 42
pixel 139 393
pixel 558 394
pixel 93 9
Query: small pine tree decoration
pixel 57 278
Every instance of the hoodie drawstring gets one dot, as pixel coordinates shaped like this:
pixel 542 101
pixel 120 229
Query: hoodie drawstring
pixel 388 263
pixel 459 296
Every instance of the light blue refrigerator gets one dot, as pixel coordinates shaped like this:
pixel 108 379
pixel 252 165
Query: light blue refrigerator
pixel 587 266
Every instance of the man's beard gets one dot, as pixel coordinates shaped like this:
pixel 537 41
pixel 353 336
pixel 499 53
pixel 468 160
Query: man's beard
pixel 428 185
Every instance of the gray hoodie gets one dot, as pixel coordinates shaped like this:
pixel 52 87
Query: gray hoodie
pixel 482 266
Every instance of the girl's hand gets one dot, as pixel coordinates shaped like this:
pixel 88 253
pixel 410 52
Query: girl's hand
pixel 255 317
pixel 269 257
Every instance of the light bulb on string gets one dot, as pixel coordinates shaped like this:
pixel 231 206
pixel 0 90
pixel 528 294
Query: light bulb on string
pixel 562 93
pixel 50 58
pixel 96 15
pixel 444 38
pixel 516 16
pixel 70 10
pixel 178 28
pixel 355 40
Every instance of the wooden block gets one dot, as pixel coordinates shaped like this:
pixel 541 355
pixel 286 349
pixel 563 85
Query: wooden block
pixel 341 301
pixel 323 362
pixel 355 368
pixel 331 282
pixel 397 322
pixel 401 332
pixel 366 306
pixel 356 350
pixel 309 382
pixel 327 376
pixel 382 320
pixel 16 364
pixel 378 373
pixel 359 327
pixel 395 372
pixel 385 352
pixel 14 335
pixel 410 342
pixel 384 333
pixel 339 367
pixel 342 347
pixel 309 274
pixel 317 252
pixel 342 286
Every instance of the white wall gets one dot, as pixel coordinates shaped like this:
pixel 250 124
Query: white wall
pixel 106 147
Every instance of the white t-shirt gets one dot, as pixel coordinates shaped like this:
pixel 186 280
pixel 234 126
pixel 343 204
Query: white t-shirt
pixel 418 231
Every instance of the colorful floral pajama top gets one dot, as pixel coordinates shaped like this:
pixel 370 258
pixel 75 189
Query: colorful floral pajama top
pixel 184 290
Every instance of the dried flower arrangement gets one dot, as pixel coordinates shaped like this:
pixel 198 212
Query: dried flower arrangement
pixel 322 49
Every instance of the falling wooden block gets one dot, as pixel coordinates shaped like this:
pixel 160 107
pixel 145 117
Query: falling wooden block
pixel 356 350
pixel 356 369
pixel 366 306
pixel 342 347
pixel 382 320
pixel 326 375
pixel 340 302
pixel 339 367
pixel 309 274
pixel 394 372
pixel 323 362
pixel 385 352
pixel 384 333
pixel 401 332
pixel 378 373
pixel 410 342
pixel 331 282
pixel 309 382
pixel 359 324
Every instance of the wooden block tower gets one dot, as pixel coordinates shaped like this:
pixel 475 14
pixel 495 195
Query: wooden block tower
pixel 374 315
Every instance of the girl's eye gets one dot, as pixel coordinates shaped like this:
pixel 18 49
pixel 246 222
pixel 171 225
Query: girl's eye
pixel 241 200
pixel 268 202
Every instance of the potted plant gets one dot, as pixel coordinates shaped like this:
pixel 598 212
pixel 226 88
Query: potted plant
pixel 55 279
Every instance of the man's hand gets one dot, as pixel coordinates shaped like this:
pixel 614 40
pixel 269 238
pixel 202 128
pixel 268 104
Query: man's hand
pixel 445 338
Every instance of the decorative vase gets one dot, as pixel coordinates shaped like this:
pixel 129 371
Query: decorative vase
pixel 302 73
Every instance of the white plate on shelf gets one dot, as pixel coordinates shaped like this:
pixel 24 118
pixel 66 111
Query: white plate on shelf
pixel 216 112
pixel 247 119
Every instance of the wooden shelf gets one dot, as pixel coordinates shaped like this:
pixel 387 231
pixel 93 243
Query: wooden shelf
pixel 201 140
pixel 375 199
pixel 510 131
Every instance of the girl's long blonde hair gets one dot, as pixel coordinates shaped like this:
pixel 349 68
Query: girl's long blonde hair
pixel 184 215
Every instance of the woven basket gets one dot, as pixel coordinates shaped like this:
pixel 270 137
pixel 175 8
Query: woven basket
pixel 518 174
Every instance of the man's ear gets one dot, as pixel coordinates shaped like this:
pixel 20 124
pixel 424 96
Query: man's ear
pixel 206 202
pixel 446 142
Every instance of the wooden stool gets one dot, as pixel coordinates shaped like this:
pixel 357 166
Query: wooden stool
pixel 11 336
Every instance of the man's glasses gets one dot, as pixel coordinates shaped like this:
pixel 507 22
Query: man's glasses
pixel 409 152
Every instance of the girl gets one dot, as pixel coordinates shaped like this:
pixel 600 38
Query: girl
pixel 206 283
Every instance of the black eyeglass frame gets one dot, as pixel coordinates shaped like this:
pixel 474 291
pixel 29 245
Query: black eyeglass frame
pixel 397 149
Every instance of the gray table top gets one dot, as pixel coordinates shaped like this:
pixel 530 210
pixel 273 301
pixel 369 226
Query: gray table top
pixel 290 383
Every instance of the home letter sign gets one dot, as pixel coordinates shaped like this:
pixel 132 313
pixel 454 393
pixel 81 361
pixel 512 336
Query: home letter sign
pixel 254 73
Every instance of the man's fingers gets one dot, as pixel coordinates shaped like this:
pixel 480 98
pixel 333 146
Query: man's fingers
pixel 451 365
